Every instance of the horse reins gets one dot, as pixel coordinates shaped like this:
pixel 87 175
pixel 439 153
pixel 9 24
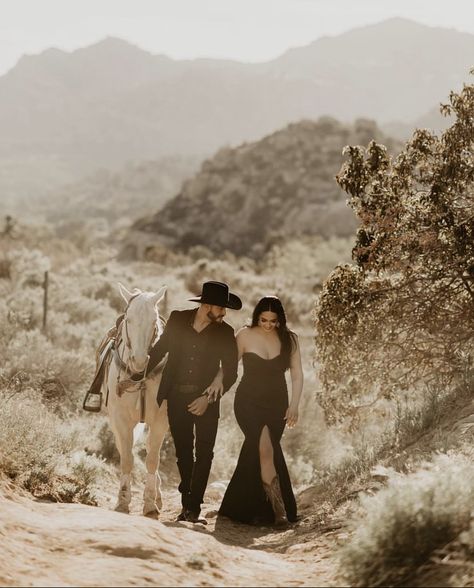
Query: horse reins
pixel 130 385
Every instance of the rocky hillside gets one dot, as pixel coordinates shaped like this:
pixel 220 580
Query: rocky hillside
pixel 246 198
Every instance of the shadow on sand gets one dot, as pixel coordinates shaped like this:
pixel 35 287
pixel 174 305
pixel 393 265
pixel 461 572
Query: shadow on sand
pixel 229 532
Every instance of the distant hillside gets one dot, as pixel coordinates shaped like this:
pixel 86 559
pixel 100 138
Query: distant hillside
pixel 136 190
pixel 67 114
pixel 116 197
pixel 432 120
pixel 244 199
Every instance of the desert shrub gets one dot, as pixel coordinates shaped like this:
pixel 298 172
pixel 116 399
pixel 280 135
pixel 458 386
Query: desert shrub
pixel 305 446
pixel 404 523
pixel 347 459
pixel 28 266
pixel 402 313
pixel 297 270
pixel 42 454
pixel 243 279
pixel 79 308
pixel 43 364
pixel 301 468
pixel 92 281
pixel 25 307
pixel 228 441
pixel 105 444
pixel 461 554
pixel 81 337
pixel 8 325
pixel 203 270
pixel 199 252
pixel 309 258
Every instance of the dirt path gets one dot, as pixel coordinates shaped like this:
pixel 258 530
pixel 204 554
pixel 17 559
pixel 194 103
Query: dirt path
pixel 48 544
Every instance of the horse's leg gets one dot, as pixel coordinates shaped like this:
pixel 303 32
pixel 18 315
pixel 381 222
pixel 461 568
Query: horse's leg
pixel 152 500
pixel 123 432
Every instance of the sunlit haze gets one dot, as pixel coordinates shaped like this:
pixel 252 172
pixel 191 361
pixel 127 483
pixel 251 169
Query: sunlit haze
pixel 244 30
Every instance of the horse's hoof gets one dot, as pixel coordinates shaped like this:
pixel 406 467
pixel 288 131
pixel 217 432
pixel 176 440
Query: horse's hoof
pixel 152 514
pixel 123 508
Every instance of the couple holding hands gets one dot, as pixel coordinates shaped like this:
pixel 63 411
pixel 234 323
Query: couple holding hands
pixel 203 355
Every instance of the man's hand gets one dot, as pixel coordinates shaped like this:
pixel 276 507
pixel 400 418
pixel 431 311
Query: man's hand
pixel 199 406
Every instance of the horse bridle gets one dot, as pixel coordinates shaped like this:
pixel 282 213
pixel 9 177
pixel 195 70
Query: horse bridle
pixel 132 385
pixel 126 340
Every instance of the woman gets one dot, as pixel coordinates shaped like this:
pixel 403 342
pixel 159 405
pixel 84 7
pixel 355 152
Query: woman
pixel 260 489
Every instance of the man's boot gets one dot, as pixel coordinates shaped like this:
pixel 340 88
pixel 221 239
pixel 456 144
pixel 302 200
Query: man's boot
pixel 273 492
pixel 192 516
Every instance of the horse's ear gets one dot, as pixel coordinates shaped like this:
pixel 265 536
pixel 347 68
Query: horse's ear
pixel 158 297
pixel 126 295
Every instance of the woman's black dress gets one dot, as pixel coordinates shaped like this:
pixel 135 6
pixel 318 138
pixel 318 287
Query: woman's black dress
pixel 261 399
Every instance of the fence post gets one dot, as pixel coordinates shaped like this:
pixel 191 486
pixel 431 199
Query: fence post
pixel 45 299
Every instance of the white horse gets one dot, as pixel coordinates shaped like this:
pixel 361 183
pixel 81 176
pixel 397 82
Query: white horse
pixel 129 402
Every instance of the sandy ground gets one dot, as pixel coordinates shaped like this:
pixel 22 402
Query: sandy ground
pixel 49 544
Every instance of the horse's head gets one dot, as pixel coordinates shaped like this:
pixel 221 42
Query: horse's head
pixel 141 324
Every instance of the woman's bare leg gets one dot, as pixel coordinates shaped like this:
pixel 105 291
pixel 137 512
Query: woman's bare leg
pixel 267 465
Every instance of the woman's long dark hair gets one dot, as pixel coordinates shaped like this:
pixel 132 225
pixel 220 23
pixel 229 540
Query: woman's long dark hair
pixel 287 337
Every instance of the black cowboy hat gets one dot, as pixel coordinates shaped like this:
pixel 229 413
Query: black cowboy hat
pixel 217 293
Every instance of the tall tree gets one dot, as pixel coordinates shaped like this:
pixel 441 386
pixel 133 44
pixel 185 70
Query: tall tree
pixel 403 312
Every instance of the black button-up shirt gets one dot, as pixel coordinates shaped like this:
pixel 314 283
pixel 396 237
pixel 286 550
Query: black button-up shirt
pixel 194 348
pixel 194 358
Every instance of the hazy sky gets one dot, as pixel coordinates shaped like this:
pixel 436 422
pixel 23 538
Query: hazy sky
pixel 245 30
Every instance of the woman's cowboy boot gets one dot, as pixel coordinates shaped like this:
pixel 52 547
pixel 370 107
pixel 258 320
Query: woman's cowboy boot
pixel 273 492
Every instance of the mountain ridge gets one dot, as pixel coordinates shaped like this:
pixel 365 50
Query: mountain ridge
pixel 112 102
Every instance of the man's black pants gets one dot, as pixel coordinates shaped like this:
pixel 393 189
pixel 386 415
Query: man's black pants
pixel 194 438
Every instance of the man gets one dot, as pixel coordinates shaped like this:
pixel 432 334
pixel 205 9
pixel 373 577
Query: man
pixel 198 342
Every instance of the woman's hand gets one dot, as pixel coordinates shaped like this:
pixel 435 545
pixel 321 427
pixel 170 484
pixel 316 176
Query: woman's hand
pixel 291 416
pixel 216 388
pixel 199 406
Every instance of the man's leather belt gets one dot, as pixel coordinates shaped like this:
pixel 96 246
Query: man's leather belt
pixel 188 388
